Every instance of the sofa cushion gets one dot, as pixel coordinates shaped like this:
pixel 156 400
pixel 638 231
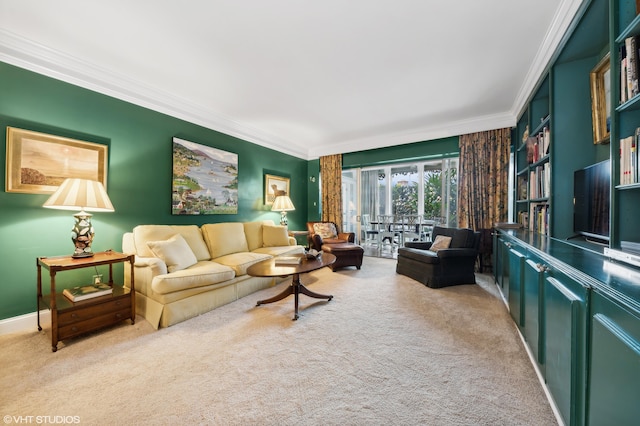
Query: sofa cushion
pixel 239 262
pixel 191 234
pixel 253 232
pixel 423 256
pixel 225 238
pixel 325 230
pixel 175 252
pixel 274 236
pixel 199 275
pixel 441 242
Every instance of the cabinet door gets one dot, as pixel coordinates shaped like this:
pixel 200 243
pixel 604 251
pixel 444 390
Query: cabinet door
pixel 497 260
pixel 533 327
pixel 503 252
pixel 565 322
pixel 516 269
pixel 614 372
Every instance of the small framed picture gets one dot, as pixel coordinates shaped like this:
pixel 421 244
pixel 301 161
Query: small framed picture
pixel 275 186
pixel 37 163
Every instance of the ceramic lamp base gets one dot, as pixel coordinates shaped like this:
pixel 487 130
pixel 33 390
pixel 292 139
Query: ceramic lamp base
pixel 82 235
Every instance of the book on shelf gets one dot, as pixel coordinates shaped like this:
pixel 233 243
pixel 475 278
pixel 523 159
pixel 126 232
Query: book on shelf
pixel 84 292
pixel 629 173
pixel 629 68
pixel 288 260
pixel 538 145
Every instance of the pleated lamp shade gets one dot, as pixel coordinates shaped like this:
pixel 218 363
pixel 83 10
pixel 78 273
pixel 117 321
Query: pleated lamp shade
pixel 283 204
pixel 85 195
pixel 88 195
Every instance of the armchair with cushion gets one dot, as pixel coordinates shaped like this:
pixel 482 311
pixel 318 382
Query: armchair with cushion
pixel 447 260
pixel 329 233
pixel 325 236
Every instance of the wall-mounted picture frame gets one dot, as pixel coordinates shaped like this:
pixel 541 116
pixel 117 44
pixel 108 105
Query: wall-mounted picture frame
pixel 37 163
pixel 601 100
pixel 205 180
pixel 275 186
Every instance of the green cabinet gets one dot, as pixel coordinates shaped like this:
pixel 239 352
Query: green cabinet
pixel 533 312
pixel 565 337
pixel 614 370
pixel 501 265
pixel 516 280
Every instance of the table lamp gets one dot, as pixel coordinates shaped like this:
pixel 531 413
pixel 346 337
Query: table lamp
pixel 283 204
pixel 86 195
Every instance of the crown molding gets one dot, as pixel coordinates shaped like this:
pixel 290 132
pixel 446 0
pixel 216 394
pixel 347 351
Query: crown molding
pixel 38 58
pixel 444 130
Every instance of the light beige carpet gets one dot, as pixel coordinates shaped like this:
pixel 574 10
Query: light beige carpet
pixel 385 351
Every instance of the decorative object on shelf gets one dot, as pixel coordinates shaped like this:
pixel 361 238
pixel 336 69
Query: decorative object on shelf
pixel 274 186
pixel 37 162
pixel 283 204
pixel 205 180
pixel 601 100
pixel 87 195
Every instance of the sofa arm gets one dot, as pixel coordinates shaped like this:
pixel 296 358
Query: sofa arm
pixel 348 236
pixel 422 245
pixel 292 241
pixel 145 269
pixel 316 242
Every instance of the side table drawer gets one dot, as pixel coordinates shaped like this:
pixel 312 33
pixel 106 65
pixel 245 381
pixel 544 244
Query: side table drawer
pixel 93 323
pixel 86 312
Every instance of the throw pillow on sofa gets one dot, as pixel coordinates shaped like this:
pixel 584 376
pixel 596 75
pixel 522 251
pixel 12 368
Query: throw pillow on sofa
pixel 274 236
pixel 175 252
pixel 441 242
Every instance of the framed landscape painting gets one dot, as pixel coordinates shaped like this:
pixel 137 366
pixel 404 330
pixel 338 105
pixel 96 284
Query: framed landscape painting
pixel 37 163
pixel 205 180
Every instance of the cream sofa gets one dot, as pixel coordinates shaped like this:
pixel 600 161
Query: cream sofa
pixel 182 271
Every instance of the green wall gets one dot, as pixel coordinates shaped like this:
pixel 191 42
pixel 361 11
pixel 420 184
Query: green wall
pixel 139 177
pixel 417 151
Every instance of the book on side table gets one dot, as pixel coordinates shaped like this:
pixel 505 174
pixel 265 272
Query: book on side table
pixel 76 294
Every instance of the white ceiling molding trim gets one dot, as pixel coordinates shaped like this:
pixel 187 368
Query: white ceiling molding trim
pixel 35 57
pixel 449 129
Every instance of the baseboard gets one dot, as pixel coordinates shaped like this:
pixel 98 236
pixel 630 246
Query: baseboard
pixel 24 323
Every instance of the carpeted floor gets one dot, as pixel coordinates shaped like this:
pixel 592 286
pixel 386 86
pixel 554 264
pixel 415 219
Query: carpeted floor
pixel 385 351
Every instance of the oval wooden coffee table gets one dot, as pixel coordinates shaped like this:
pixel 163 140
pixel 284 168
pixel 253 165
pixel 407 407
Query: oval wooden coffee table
pixel 269 268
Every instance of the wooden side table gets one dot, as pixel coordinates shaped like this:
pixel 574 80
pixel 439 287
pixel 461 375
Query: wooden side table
pixel 69 319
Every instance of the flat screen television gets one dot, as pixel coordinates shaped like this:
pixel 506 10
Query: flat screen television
pixel 591 187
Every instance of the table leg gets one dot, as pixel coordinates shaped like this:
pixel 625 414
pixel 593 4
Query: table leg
pixel 295 288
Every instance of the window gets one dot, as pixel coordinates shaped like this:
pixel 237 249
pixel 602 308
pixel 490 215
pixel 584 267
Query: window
pixel 428 188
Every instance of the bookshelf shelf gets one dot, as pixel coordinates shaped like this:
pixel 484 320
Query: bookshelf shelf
pixel 533 171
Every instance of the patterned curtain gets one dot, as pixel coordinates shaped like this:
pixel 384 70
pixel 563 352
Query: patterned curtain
pixel 331 189
pixel 483 184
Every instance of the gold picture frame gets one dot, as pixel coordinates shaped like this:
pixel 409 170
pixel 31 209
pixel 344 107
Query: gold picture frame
pixel 275 186
pixel 37 163
pixel 601 100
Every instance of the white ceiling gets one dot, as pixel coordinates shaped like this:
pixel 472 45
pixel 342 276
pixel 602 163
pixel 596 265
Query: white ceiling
pixel 307 78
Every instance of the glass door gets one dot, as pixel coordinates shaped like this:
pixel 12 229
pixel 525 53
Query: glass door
pixel 350 214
